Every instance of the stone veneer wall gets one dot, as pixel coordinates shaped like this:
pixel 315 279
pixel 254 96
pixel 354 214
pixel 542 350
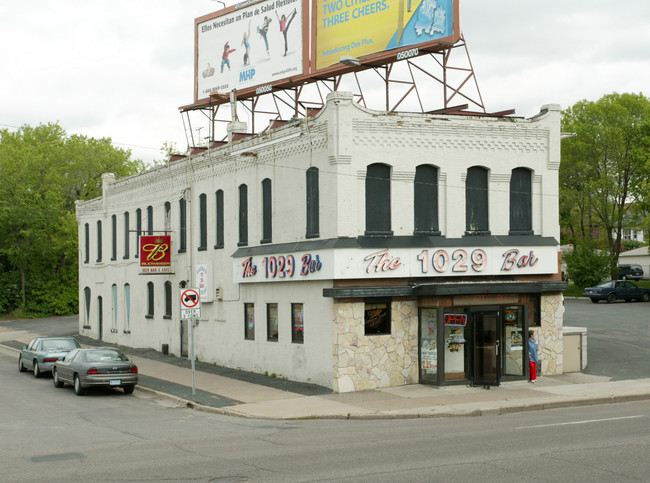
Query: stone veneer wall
pixel 370 362
pixel 549 335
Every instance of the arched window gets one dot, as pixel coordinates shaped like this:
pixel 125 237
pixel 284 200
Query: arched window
pixel 219 211
pixel 114 291
pixel 99 240
pixel 149 220
pixel 203 222
pixel 378 200
pixel 182 213
pixel 126 235
pixel 168 300
pixel 114 237
pixel 138 231
pixel 127 307
pixel 476 202
pixel 87 243
pixel 521 202
pixel 168 216
pixel 87 307
pixel 267 212
pixel 425 199
pixel 243 215
pixel 149 300
pixel 312 203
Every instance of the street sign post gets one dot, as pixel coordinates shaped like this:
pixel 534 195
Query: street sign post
pixel 191 310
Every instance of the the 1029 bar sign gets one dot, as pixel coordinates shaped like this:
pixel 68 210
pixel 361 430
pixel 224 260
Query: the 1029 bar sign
pixel 155 254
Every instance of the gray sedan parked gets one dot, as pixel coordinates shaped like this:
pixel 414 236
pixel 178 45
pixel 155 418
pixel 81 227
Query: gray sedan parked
pixel 96 367
pixel 41 353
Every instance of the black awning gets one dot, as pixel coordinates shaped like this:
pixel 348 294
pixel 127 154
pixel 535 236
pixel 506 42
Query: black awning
pixel 446 288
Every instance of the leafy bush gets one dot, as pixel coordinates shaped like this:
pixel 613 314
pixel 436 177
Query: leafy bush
pixel 586 265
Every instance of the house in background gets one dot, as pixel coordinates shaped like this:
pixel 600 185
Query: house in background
pixel 639 256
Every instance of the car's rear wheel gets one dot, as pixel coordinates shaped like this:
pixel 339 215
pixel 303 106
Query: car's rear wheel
pixel 646 297
pixel 21 368
pixel 80 391
pixel 55 378
pixel 595 301
pixel 37 370
pixel 128 389
pixel 611 298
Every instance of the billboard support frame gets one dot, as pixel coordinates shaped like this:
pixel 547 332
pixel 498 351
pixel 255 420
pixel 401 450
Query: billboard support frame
pixel 294 98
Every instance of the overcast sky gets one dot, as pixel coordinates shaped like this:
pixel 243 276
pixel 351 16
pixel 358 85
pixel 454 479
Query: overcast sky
pixel 122 68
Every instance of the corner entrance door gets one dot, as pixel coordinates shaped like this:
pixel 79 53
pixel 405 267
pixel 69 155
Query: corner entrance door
pixel 486 329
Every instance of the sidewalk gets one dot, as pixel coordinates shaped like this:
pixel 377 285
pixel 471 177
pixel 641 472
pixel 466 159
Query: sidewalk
pixel 239 393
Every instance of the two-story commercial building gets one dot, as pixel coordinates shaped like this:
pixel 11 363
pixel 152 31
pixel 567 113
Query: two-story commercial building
pixel 353 249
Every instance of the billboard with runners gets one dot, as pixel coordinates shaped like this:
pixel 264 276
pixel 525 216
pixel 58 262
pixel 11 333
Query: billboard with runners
pixel 239 48
pixel 255 46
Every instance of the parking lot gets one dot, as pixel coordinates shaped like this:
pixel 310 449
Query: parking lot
pixel 618 345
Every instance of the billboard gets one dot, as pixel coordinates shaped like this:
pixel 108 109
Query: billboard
pixel 358 28
pixel 241 48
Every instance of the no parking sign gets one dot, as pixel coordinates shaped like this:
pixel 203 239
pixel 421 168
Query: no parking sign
pixel 190 304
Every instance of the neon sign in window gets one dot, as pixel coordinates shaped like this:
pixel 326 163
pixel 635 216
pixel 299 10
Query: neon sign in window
pixel 455 319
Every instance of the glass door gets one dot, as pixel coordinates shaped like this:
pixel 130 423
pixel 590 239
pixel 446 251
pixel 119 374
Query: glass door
pixel 486 337
pixel 456 353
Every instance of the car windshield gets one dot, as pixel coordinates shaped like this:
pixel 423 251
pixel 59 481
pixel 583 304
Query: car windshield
pixel 105 355
pixel 59 344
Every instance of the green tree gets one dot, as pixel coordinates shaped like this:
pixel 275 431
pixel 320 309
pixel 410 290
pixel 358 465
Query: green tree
pixel 586 265
pixel 43 172
pixel 604 169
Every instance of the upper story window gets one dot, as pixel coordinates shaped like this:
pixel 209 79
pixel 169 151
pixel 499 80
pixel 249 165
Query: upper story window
pixel 182 212
pixel 138 231
pixel 312 203
pixel 521 202
pixel 114 237
pixel 203 222
pixel 476 202
pixel 86 243
pixel 126 235
pixel 267 212
pixel 243 215
pixel 149 220
pixel 378 200
pixel 219 220
pixel 168 216
pixel 99 240
pixel 425 200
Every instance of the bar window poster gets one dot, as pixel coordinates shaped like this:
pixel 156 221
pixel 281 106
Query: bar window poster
pixel 511 315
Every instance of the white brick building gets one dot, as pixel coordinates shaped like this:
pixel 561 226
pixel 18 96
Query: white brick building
pixel 354 249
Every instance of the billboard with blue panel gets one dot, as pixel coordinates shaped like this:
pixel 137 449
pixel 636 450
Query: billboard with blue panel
pixel 359 28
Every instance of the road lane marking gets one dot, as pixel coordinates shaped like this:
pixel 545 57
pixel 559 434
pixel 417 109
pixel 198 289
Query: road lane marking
pixel 586 421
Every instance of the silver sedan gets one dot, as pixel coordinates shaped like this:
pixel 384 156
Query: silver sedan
pixel 96 367
pixel 41 353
